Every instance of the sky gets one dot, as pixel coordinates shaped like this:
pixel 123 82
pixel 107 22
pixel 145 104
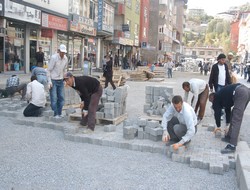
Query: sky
pixel 212 7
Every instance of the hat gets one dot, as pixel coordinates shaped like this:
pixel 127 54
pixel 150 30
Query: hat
pixel 68 75
pixel 62 48
pixel 230 53
pixel 221 56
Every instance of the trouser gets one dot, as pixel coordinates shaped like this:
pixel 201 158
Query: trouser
pixel 32 111
pixel 201 103
pixel 176 130
pixel 241 99
pixel 170 73
pixel 108 79
pixel 57 96
pixel 93 105
pixel 20 88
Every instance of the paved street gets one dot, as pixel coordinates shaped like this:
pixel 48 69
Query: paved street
pixel 38 158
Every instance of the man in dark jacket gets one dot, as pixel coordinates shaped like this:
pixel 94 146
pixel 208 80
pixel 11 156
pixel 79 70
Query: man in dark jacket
pixel 108 73
pixel 236 96
pixel 90 92
pixel 219 76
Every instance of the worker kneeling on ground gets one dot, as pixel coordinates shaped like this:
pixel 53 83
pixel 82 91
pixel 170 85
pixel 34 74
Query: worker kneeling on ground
pixel 179 123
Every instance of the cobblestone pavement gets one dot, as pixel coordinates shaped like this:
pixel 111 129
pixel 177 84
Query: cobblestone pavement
pixel 38 158
pixel 203 151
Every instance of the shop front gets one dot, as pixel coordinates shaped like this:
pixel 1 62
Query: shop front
pixel 17 18
pixel 81 41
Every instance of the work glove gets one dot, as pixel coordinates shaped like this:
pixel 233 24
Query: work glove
pixel 165 136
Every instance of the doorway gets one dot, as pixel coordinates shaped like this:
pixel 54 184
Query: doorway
pixel 33 45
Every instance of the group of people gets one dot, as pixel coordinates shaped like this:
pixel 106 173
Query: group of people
pixel 180 121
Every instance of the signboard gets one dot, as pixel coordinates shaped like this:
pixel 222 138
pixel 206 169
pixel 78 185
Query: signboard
pixel 125 28
pixel 61 6
pixel 54 22
pixel 123 41
pixel 47 33
pixel 100 15
pixel 82 25
pixel 118 1
pixel 21 12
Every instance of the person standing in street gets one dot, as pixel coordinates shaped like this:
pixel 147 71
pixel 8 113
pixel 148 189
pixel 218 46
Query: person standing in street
pixel 108 73
pixel 56 70
pixel 200 91
pixel 236 96
pixel 169 66
pixel 35 95
pixel 219 76
pixel 179 123
pixel 40 56
pixel 90 92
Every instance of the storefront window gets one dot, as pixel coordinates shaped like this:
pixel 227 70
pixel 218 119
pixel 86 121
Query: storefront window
pixel 14 47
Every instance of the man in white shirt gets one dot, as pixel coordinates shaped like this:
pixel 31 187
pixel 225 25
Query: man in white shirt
pixel 169 66
pixel 36 96
pixel 56 70
pixel 219 76
pixel 179 123
pixel 200 91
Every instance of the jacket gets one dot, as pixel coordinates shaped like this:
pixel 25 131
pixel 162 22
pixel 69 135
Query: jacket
pixel 214 76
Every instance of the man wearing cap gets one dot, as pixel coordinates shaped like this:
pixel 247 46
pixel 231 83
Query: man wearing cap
pixel 219 76
pixel 56 70
pixel 90 92
pixel 236 96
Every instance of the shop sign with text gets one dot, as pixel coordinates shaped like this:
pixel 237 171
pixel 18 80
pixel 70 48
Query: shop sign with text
pixel 54 22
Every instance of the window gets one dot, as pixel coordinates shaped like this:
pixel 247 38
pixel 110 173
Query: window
pixel 108 17
pixel 129 3
pixel 136 29
pixel 160 45
pixel 202 52
pixel 145 14
pixel 144 32
pixel 93 12
pixel 209 52
pixel 193 52
pixel 137 7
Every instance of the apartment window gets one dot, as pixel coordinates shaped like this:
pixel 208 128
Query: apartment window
pixel 209 52
pixel 160 45
pixel 144 32
pixel 136 29
pixel 129 3
pixel 108 14
pixel 137 7
pixel 202 52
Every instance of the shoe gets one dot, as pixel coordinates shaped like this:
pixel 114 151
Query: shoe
pixel 61 116
pixel 57 117
pixel 228 149
pixel 87 131
pixel 226 139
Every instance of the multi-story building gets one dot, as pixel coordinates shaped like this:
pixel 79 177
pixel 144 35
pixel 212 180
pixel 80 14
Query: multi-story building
pixel 29 24
pixel 244 38
pixel 205 53
pixel 126 31
pixel 178 28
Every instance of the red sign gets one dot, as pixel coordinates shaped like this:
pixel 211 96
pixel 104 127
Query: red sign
pixel 54 22
pixel 47 33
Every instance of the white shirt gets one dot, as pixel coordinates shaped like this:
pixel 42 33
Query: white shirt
pixel 222 75
pixel 186 117
pixel 36 94
pixel 57 67
pixel 169 65
pixel 197 86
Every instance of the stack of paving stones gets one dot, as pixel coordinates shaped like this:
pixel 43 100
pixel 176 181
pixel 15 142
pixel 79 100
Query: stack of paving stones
pixel 142 129
pixel 158 98
pixel 114 103
pixel 71 96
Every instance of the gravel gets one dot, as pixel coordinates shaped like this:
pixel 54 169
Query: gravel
pixel 38 158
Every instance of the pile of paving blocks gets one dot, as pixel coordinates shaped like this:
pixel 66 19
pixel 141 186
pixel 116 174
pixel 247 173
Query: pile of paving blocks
pixel 158 98
pixel 71 96
pixel 142 129
pixel 113 103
